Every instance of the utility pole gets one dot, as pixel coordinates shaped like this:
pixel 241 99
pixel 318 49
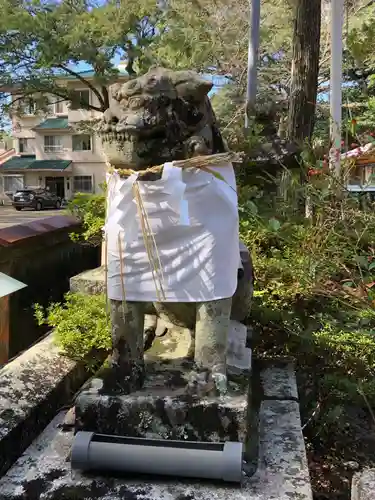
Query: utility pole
pixel 252 59
pixel 337 22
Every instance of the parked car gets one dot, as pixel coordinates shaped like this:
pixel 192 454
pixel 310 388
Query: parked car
pixel 36 199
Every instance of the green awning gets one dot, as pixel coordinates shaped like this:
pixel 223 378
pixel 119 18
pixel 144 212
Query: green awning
pixel 18 163
pixel 30 163
pixel 49 165
pixel 53 124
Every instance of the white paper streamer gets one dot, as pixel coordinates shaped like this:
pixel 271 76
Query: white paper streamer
pixel 121 205
pixel 121 208
pixel 175 187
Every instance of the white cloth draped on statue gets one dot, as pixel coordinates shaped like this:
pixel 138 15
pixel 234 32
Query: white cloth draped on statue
pixel 194 219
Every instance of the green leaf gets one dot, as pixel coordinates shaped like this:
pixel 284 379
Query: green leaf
pixel 214 173
pixel 362 261
pixel 251 207
pixel 274 224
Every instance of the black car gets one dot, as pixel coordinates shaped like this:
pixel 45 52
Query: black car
pixel 36 199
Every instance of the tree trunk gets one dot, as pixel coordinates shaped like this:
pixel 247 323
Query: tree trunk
pixel 305 69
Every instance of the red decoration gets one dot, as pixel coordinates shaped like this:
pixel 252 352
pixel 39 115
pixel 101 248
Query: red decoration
pixel 314 171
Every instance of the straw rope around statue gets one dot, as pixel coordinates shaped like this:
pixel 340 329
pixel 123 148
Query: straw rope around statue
pixel 197 162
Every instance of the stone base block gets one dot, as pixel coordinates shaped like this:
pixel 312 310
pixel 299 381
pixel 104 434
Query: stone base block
pixel 238 355
pixel 162 410
pixel 91 282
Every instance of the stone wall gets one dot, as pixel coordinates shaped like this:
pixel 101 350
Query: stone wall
pixel 41 255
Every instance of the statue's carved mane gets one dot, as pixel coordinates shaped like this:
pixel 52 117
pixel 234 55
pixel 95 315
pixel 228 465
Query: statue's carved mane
pixel 162 116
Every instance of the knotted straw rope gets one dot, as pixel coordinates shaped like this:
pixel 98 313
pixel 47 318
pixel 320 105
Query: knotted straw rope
pixel 198 162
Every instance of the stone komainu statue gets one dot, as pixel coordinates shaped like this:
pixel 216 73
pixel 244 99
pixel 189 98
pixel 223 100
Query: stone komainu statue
pixel 155 119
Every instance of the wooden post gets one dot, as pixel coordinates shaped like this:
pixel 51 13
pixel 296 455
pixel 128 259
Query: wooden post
pixel 4 329
pixel 104 253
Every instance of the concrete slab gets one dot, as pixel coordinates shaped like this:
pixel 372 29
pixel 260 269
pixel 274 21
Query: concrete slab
pixel 363 485
pixel 32 389
pixel 44 470
pixel 279 382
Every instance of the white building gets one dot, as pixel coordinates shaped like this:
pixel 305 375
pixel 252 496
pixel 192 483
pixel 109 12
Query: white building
pixel 51 151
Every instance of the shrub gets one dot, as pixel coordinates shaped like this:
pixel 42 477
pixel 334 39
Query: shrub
pixel 80 325
pixel 90 210
pixel 314 292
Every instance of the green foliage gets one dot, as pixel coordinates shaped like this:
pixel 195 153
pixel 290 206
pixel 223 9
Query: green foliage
pixel 81 324
pixel 204 35
pixel 314 295
pixel 361 36
pixel 229 106
pixel 90 209
pixel 40 40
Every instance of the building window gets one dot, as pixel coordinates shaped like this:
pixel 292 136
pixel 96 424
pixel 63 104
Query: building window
pixel 28 106
pixel 357 175
pixel 12 183
pixel 82 184
pixel 59 107
pixel 23 145
pixel 80 99
pixel 52 143
pixel 81 142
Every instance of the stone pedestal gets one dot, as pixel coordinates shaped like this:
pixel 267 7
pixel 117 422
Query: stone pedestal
pixel 162 409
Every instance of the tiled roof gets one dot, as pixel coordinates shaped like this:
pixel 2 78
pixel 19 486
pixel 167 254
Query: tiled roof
pixel 18 163
pixel 54 124
pixel 30 163
pixel 49 165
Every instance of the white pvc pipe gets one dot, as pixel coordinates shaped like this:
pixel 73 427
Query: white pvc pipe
pixel 337 21
pixel 98 452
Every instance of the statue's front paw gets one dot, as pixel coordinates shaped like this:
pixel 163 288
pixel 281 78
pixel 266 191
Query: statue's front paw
pixel 205 383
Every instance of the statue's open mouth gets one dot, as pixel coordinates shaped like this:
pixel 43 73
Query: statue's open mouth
pixel 131 133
